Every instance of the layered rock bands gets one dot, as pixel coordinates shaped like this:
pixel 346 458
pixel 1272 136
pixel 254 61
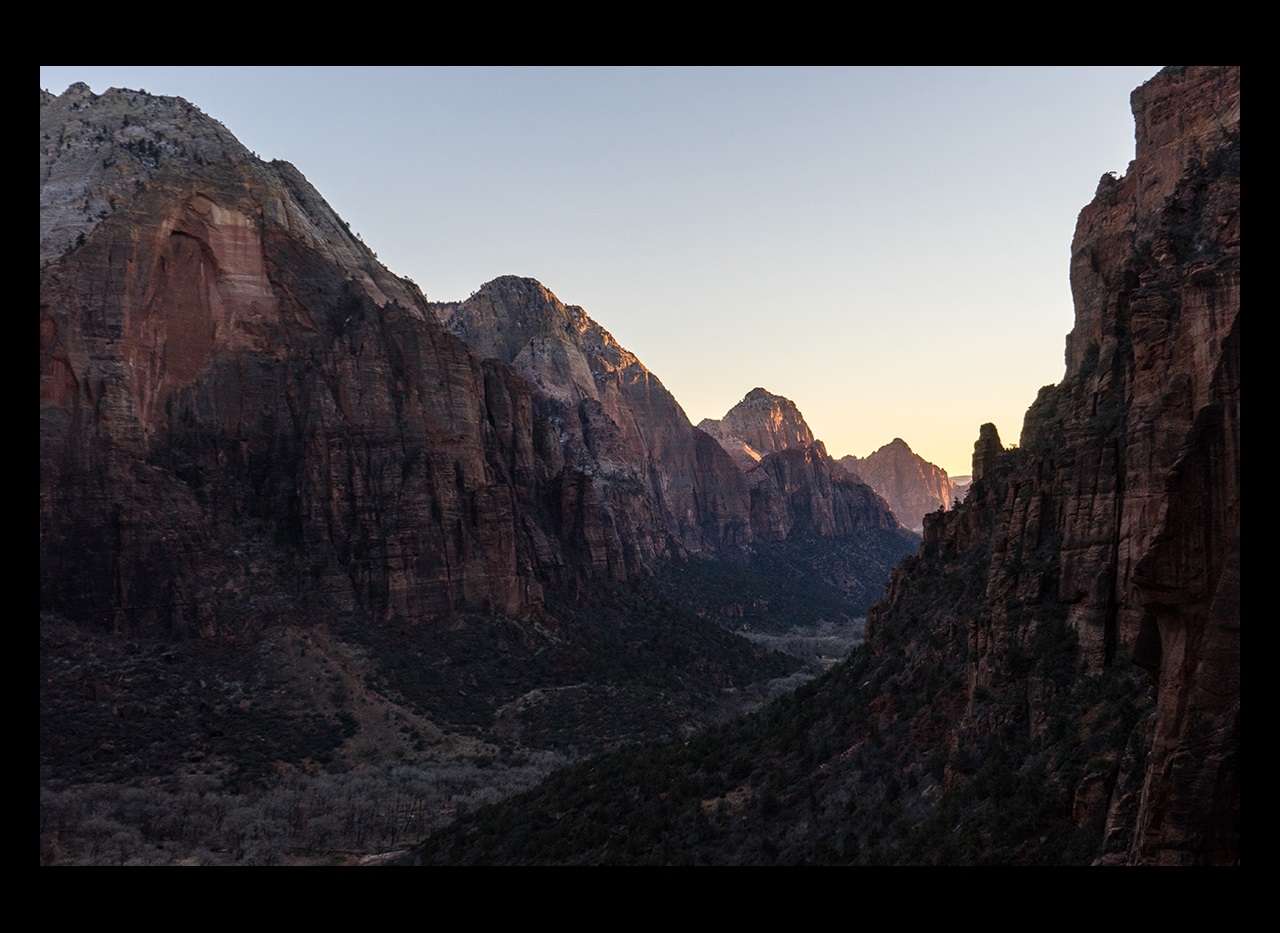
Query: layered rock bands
pixel 911 485
pixel 246 417
pixel 795 486
pixel 1121 507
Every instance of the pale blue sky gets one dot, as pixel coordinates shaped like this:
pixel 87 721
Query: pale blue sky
pixel 886 246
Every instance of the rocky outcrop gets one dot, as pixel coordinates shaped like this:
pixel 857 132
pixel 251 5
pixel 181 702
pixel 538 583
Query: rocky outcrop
pixel 1120 511
pixel 795 485
pixel 744 456
pixel 764 422
pixel 911 485
pixel 660 483
pixel 244 414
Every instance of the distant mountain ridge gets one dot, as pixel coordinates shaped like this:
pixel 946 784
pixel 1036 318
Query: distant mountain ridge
pixel 911 485
pixel 792 478
pixel 620 424
pixel 764 423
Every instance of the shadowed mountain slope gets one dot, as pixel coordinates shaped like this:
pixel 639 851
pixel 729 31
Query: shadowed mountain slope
pixel 291 524
pixel 255 440
pixel 1055 677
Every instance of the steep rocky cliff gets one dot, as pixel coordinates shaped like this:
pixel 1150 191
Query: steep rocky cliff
pixel 911 485
pixel 242 410
pixel 795 485
pixel 661 485
pixel 1120 512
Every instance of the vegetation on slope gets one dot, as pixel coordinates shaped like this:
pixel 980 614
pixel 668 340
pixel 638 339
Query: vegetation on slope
pixel 777 586
pixel 897 756
pixel 472 707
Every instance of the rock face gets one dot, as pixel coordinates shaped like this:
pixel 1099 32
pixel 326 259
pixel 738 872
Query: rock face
pixel 911 485
pixel 242 410
pixel 658 481
pixel 795 486
pixel 1121 509
pixel 245 414
pixel 766 422
pixel 744 456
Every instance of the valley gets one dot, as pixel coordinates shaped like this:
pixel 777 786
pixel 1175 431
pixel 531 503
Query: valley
pixel 334 574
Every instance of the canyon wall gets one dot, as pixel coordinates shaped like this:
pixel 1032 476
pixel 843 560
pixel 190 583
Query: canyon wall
pixel 243 413
pixel 246 417
pixel 911 485
pixel 1120 510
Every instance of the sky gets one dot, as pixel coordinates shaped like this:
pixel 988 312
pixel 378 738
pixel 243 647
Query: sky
pixel 888 247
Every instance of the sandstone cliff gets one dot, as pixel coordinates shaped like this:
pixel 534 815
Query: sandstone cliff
pixel 795 486
pixel 660 483
pixel 242 410
pixel 1120 512
pixel 911 485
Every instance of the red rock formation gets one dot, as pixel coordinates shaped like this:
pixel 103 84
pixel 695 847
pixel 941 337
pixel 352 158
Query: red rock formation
pixel 243 411
pixel 911 485
pixel 1177 296
pixel 1122 507
pixel 661 483
pixel 795 485
pixel 766 422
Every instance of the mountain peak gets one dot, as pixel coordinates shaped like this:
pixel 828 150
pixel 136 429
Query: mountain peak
pixel 520 321
pixel 767 422
pixel 911 485
pixel 76 91
pixel 517 285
